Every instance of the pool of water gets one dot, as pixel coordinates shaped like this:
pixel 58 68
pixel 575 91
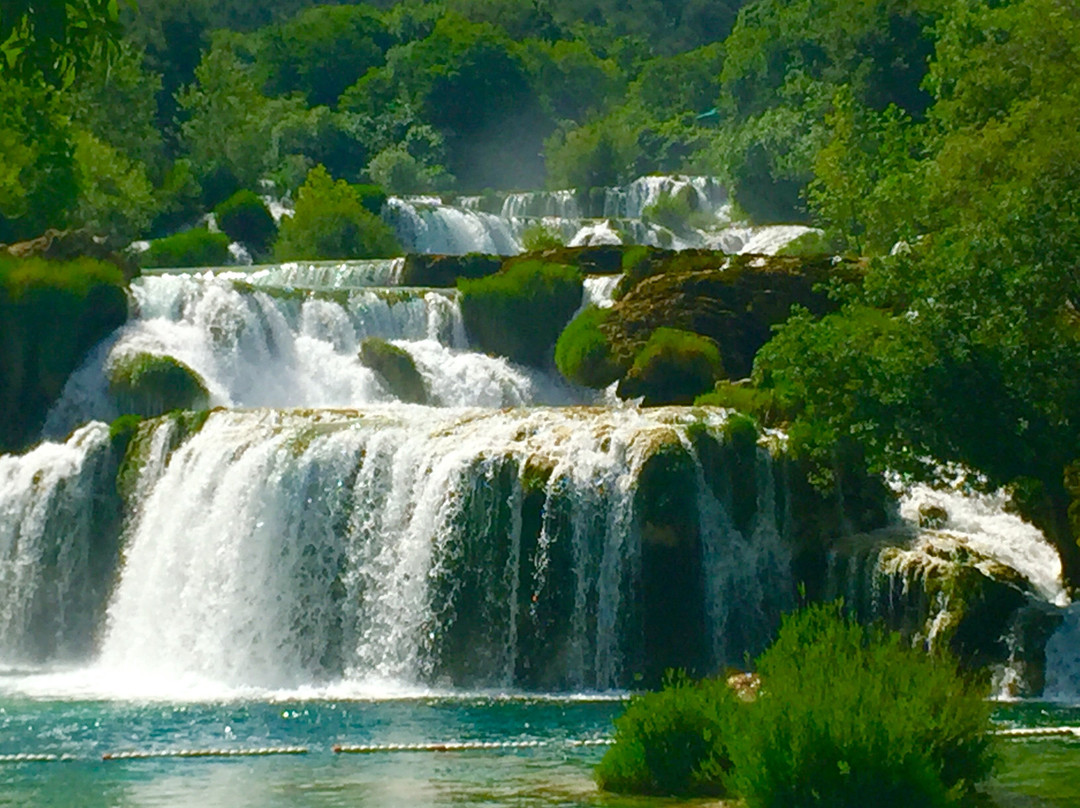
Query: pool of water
pixel 554 770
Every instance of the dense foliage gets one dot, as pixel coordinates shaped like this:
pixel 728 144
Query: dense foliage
pixel 845 717
pixel 244 217
pixel 332 222
pixel 673 741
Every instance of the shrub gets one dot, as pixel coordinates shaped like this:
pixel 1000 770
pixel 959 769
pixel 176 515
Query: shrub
pixel 197 247
pixel 245 218
pixel 811 244
pixel 850 717
pixel 745 398
pixel 538 237
pixel 331 222
pixel 583 351
pixel 673 741
pixel 676 211
pixel 149 385
pixel 519 312
pixel 673 367
pixel 372 197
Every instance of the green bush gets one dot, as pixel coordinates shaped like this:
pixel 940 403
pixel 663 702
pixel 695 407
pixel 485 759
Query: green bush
pixel 245 218
pixel 197 247
pixel 745 398
pixel 583 351
pixel 538 237
pixel 673 367
pixel 332 222
pixel 677 212
pixel 372 197
pixel 850 717
pixel 673 741
pixel 519 312
pixel 149 385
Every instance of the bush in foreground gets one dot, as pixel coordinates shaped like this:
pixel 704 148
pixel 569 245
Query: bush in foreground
pixel 197 247
pixel 519 312
pixel 673 741
pixel 847 717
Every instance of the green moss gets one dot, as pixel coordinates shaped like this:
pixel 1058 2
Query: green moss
pixel 520 312
pixel 150 385
pixel 244 217
pixel 673 367
pixel 51 314
pixel 444 270
pixel 197 247
pixel 583 351
pixel 745 398
pixel 535 475
pixel 396 367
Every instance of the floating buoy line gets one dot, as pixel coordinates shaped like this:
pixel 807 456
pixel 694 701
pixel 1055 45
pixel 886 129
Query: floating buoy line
pixel 447 746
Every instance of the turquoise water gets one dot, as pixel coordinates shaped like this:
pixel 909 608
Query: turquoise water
pixel 1042 773
pixel 556 773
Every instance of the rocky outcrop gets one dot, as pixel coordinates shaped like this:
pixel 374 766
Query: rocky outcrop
pixel 735 301
pixel 396 368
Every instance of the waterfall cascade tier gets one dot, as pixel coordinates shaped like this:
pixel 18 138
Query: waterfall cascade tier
pixel 569 548
pixel 605 216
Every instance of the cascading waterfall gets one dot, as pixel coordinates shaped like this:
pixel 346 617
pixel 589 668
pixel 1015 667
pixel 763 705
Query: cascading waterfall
pixel 57 545
pixel 258 345
pixel 469 224
pixel 433 547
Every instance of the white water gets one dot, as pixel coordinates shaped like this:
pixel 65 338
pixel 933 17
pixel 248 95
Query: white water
pixel 257 346
pixel 980 522
pixel 279 551
pixel 429 225
pixel 47 537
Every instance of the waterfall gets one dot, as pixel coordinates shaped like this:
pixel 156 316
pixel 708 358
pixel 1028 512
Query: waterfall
pixel 614 216
pixel 57 545
pixel 258 345
pixel 279 549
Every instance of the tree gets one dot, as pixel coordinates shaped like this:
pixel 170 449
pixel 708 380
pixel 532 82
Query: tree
pixel 331 222
pixel 51 40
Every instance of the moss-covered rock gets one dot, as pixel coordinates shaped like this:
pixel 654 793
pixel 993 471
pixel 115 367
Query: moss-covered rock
pixel 583 352
pixel 149 385
pixel 673 367
pixel 51 314
pixel 520 312
pixel 444 270
pixel 734 301
pixel 197 247
pixel 396 368
pixel 598 259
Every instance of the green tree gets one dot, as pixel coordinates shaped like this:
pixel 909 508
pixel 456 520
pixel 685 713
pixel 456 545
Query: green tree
pixel 322 51
pixel 37 173
pixel 51 40
pixel 116 198
pixel 331 222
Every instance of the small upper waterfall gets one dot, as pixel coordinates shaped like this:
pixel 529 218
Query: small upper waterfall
pixel 604 216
